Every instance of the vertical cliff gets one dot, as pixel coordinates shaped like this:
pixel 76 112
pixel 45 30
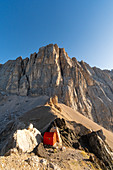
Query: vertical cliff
pixel 51 72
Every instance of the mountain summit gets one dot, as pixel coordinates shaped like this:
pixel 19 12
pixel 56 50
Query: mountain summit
pixel 51 72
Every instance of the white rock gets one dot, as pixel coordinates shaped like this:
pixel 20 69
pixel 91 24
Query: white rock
pixel 27 140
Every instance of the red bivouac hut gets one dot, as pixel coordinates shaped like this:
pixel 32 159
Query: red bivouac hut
pixel 50 138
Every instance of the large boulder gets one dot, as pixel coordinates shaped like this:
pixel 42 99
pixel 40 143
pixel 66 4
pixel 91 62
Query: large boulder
pixel 41 151
pixel 27 139
pixel 24 140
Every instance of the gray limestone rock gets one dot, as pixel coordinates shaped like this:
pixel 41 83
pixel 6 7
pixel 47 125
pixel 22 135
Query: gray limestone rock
pixel 51 72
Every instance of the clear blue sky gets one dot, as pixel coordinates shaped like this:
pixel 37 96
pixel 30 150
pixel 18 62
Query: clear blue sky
pixel 83 27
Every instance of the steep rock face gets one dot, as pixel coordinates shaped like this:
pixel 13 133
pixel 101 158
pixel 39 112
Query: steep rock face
pixel 99 147
pixel 51 72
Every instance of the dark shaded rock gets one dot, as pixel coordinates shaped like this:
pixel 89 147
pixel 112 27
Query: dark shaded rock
pixel 100 133
pixel 80 129
pixel 97 146
pixel 76 145
pixel 6 137
pixel 91 158
pixel 41 151
pixel 60 123
pixel 68 136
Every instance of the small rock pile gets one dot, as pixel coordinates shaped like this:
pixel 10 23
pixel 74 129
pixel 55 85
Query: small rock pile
pixel 53 102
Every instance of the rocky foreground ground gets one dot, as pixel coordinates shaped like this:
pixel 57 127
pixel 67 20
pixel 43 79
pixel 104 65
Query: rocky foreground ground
pixel 83 147
pixel 68 159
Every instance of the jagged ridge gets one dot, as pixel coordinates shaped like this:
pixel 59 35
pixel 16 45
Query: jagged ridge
pixel 51 72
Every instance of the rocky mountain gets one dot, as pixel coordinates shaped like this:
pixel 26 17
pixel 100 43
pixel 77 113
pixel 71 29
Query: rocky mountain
pixel 51 72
